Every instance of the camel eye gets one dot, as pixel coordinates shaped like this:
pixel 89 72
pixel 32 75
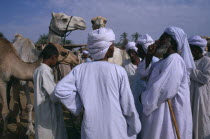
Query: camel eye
pixel 64 19
pixel 92 22
pixel 105 21
pixel 63 53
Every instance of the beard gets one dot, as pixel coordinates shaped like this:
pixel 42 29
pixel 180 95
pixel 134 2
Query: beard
pixel 162 50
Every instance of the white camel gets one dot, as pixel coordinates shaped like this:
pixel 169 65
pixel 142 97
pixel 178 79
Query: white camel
pixel 60 25
pixel 119 55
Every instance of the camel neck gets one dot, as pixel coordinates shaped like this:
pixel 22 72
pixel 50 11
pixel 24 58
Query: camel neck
pixel 53 38
pixel 22 70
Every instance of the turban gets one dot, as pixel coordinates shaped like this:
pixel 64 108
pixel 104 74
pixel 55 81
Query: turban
pixel 183 47
pixel 85 52
pixel 145 40
pixel 99 41
pixel 198 41
pixel 131 45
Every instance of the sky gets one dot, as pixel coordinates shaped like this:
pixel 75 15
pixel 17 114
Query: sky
pixel 31 18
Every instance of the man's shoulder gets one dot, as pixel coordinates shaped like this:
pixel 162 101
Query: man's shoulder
pixel 175 57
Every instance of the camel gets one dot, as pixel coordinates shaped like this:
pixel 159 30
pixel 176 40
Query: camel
pixel 28 53
pixel 98 22
pixel 61 24
pixel 12 66
pixel 119 55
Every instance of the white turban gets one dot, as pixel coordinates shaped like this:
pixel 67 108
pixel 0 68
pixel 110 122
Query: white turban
pixel 131 45
pixel 85 52
pixel 145 40
pixel 99 41
pixel 183 46
pixel 198 41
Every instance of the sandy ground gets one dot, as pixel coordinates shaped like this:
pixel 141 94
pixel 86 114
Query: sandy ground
pixel 18 130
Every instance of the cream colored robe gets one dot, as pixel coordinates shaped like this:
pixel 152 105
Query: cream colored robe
pixel 200 98
pixel 49 122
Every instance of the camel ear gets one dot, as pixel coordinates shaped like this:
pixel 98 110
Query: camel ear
pixel 105 21
pixel 53 14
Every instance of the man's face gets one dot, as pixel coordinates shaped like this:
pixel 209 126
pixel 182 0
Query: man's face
pixel 163 45
pixel 110 52
pixel 140 51
pixel 132 54
pixel 84 56
pixel 53 60
pixel 196 52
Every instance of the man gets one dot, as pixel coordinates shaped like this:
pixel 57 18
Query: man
pixel 131 64
pixel 103 90
pixel 139 84
pixel 143 43
pixel 49 122
pixel 200 89
pixel 86 56
pixel 168 80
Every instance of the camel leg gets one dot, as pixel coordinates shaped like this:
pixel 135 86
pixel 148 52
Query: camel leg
pixel 16 99
pixel 5 110
pixel 29 106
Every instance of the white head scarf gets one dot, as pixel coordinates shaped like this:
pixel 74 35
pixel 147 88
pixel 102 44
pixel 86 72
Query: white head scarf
pixel 99 41
pixel 145 40
pixel 85 52
pixel 198 41
pixel 183 46
pixel 131 45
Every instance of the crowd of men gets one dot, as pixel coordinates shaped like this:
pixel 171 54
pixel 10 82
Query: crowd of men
pixel 133 100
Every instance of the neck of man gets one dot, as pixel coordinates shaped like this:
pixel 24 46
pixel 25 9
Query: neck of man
pixel 198 57
pixel 135 61
pixel 169 52
pixel 47 62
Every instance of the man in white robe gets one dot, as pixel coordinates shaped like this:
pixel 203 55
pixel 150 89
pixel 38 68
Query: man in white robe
pixel 49 122
pixel 139 84
pixel 168 80
pixel 200 89
pixel 103 90
pixel 131 64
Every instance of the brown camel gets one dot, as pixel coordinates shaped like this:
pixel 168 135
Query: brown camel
pixel 12 66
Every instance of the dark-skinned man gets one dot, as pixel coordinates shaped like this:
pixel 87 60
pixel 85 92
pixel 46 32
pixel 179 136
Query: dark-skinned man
pixel 49 122
pixel 103 90
pixel 131 64
pixel 168 79
pixel 200 89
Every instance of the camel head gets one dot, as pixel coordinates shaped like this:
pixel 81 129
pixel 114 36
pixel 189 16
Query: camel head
pixel 59 23
pixel 66 56
pixel 98 22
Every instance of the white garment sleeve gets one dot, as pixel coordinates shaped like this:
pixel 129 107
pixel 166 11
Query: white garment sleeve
pixel 163 86
pixel 143 71
pixel 128 107
pixel 202 77
pixel 49 85
pixel 66 91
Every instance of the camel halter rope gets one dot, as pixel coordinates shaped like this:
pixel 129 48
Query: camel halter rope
pixel 65 33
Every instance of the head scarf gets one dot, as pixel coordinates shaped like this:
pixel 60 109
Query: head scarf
pixel 198 41
pixel 183 46
pixel 145 41
pixel 132 46
pixel 99 41
pixel 85 52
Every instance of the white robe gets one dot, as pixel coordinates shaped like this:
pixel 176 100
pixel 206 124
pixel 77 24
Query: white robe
pixel 49 122
pixel 200 98
pixel 103 90
pixel 168 80
pixel 130 68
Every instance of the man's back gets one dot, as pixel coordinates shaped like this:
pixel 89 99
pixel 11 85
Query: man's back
pixel 108 103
